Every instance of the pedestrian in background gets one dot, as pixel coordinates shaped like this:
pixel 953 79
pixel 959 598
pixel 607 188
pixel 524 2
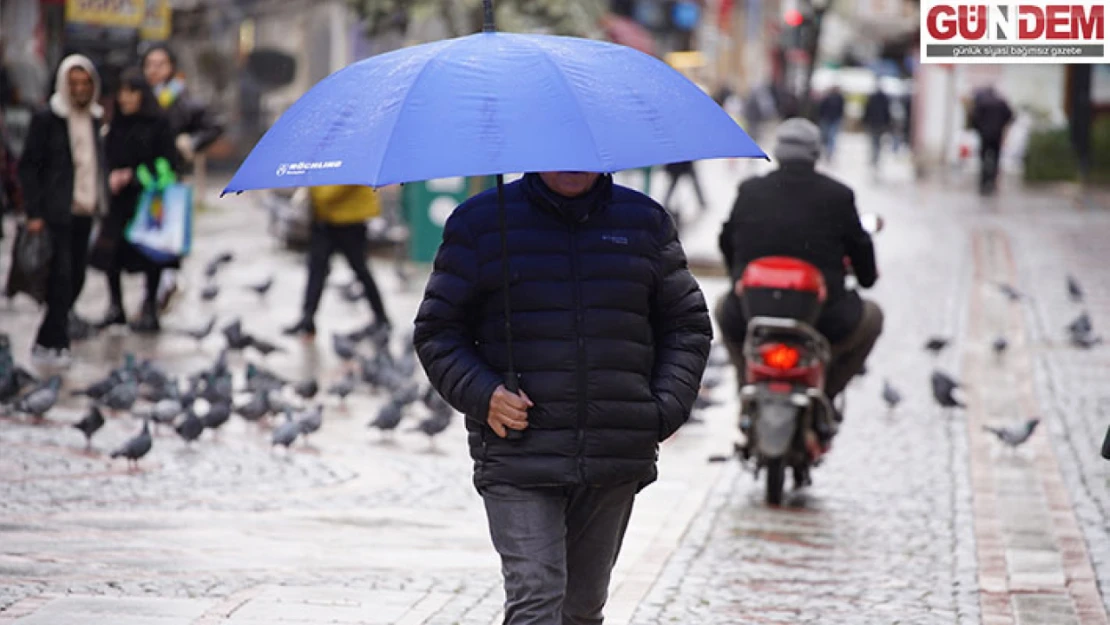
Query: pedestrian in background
pixel 830 114
pixel 676 172
pixel 139 135
pixel 339 225
pixel 877 119
pixel 990 117
pixel 64 180
pixel 11 197
pixel 610 338
pixel 193 125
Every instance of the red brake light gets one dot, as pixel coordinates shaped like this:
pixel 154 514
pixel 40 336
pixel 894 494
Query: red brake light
pixel 779 356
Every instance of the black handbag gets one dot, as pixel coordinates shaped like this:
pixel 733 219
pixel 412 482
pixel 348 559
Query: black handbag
pixel 30 269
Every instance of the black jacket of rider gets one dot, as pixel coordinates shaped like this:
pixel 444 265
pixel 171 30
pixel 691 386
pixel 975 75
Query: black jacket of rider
pixel 796 211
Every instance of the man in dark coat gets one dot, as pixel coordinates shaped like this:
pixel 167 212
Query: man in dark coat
pixel 610 336
pixel 830 114
pixel 64 180
pixel 990 117
pixel 877 120
pixel 796 211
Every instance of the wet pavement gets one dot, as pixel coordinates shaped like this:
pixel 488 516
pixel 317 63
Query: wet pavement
pixel 916 517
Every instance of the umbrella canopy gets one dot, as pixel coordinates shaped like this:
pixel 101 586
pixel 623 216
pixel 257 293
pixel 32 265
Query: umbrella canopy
pixel 491 103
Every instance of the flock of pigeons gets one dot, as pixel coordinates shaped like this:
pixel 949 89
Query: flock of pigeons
pixel 207 399
pixel 1080 334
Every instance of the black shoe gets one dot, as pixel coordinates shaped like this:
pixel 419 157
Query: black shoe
pixel 115 317
pixel 303 328
pixel 147 322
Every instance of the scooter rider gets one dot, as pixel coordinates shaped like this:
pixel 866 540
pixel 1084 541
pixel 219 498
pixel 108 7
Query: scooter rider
pixel 796 211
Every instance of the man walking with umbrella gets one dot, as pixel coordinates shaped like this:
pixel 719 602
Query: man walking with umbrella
pixel 611 336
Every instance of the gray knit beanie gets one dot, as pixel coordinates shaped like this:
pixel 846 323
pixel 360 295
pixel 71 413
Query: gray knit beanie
pixel 797 139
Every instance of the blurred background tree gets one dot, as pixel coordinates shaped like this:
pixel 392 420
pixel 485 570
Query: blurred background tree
pixel 463 17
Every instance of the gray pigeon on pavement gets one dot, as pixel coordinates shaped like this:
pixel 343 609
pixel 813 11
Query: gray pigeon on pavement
pixel 344 347
pixel 936 344
pixel 122 397
pixel 1014 436
pixel 256 408
pixel 891 395
pixel 999 345
pixel 1075 292
pixel 389 417
pixel 90 424
pixel 943 388
pixel 201 333
pixel 344 387
pixel 40 400
pixel 311 421
pixel 287 432
pixel 190 428
pixel 1106 444
pixel 1081 324
pixel 137 447
pixel 434 424
pixel 307 389
pixel 1010 292
pixel 210 292
pixel 262 288
pixel 218 414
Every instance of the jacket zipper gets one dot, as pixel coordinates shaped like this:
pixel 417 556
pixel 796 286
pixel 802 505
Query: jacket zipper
pixel 581 361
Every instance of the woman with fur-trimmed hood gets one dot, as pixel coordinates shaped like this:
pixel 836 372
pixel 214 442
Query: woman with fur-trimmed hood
pixel 64 179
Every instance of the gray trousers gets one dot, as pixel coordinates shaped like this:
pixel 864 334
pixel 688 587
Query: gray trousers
pixel 558 547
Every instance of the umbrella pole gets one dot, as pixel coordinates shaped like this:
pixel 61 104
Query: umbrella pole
pixel 511 382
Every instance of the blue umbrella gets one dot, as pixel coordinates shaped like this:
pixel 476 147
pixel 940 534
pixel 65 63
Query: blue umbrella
pixel 491 103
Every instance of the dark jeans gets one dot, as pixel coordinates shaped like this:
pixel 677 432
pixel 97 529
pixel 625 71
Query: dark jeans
pixel 558 547
pixel 990 151
pixel 676 178
pixel 848 356
pixel 876 146
pixel 350 241
pixel 67 278
pixel 150 298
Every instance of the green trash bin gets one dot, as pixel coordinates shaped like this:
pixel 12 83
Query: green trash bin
pixel 426 206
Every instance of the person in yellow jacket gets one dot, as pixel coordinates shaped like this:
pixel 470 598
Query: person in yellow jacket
pixel 339 214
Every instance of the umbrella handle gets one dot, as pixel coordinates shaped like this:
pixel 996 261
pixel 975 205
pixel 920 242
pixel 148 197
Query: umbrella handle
pixel 488 25
pixel 512 384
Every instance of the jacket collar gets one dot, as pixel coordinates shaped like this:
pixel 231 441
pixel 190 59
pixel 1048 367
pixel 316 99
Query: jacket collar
pixel 573 209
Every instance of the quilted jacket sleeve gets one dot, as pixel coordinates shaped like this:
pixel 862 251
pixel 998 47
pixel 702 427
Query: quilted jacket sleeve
pixel 682 333
pixel 443 336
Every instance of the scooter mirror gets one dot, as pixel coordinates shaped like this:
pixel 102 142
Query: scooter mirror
pixel 871 222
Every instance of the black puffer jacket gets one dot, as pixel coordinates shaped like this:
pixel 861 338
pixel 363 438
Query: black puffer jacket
pixel 610 332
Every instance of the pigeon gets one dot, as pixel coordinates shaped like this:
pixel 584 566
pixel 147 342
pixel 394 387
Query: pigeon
pixel 406 364
pixel 1081 325
pixel 122 396
pixel 1014 436
pixel 943 387
pixel 351 292
pixel 1106 444
pixel 277 403
pixel 265 347
pixel 260 379
pixel 1000 344
pixel 718 357
pixel 344 347
pixel 210 292
pixel 711 381
pixel 311 421
pixel 90 424
pixel 388 418
pixel 287 432
pixel 1084 340
pixel 262 287
pixel 151 374
pixel 1075 292
pixel 307 389
pixel 435 402
pixel 435 424
pixel 344 387
pixel 166 411
pixel 38 401
pixel 224 257
pixel 211 269
pixel 254 409
pixel 891 395
pixel 1010 292
pixel 406 393
pixel 201 333
pixel 701 402
pixel 97 390
pixel 936 344
pixel 190 428
pixel 137 447
pixel 217 415
pixel 236 339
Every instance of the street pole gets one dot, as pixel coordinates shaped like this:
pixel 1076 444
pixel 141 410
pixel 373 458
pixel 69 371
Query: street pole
pixel 812 48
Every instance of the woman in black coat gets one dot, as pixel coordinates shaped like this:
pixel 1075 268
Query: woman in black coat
pixel 139 134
